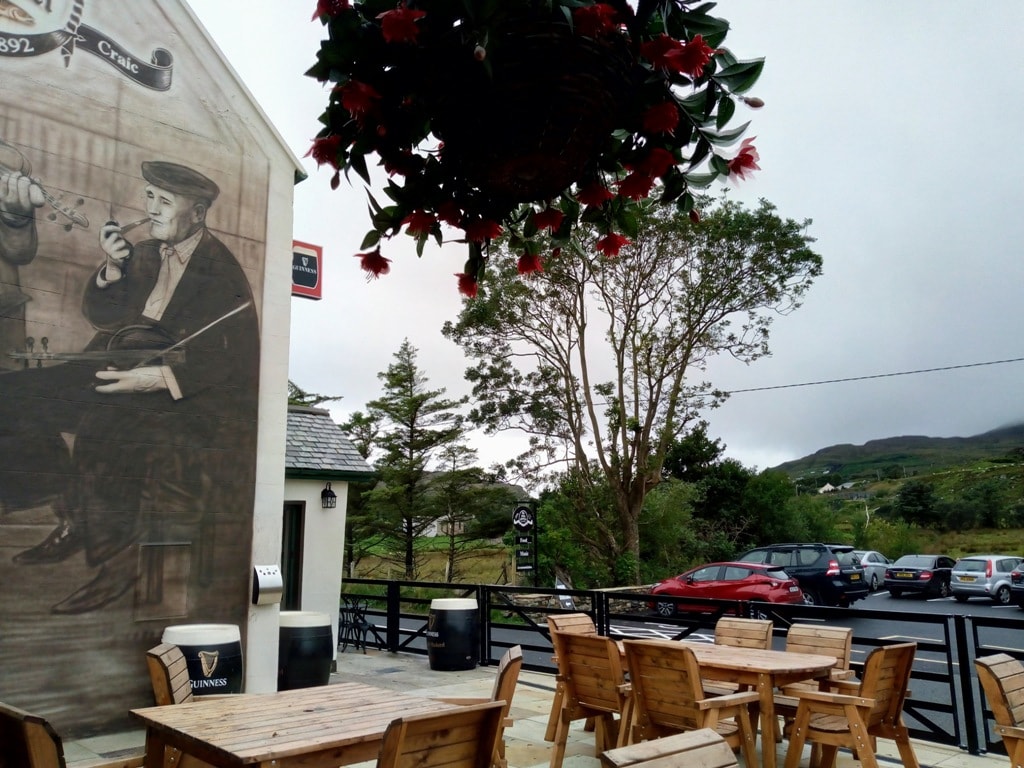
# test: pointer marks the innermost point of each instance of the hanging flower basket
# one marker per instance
(524, 117)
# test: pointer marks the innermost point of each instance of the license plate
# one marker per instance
(904, 575)
(794, 589)
(854, 577)
(967, 578)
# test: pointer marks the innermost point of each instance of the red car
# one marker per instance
(753, 582)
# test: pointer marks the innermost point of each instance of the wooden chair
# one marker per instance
(668, 698)
(455, 738)
(819, 639)
(504, 689)
(576, 624)
(1002, 679)
(590, 668)
(855, 720)
(739, 633)
(29, 741)
(702, 748)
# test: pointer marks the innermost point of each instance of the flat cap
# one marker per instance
(180, 180)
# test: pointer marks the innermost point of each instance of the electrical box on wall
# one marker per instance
(267, 584)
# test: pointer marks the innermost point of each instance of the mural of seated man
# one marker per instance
(166, 389)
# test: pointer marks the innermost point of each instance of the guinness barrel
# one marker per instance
(453, 634)
(213, 653)
(305, 650)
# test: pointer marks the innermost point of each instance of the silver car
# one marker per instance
(874, 564)
(983, 576)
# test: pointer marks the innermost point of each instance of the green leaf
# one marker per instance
(420, 242)
(725, 138)
(741, 76)
(726, 109)
(357, 161)
(371, 239)
(720, 164)
(701, 180)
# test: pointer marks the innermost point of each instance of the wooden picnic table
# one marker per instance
(763, 671)
(321, 727)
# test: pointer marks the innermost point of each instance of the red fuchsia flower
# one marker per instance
(373, 264)
(661, 118)
(467, 285)
(529, 262)
(692, 58)
(593, 193)
(329, 8)
(325, 150)
(358, 98)
(420, 223)
(594, 20)
(399, 25)
(549, 218)
(746, 159)
(695, 216)
(655, 164)
(479, 230)
(611, 244)
(636, 186)
(449, 213)
(658, 51)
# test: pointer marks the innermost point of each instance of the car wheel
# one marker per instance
(874, 582)
(895, 594)
(960, 598)
(810, 598)
(1002, 595)
(944, 590)
(665, 609)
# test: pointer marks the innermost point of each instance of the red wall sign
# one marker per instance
(307, 270)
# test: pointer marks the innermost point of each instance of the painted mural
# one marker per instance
(133, 205)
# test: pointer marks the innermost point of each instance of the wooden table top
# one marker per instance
(755, 659)
(346, 720)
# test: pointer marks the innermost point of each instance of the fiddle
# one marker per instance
(131, 347)
(13, 161)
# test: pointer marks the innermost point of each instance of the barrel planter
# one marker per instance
(305, 650)
(213, 653)
(453, 632)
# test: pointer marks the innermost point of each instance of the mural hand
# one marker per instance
(148, 378)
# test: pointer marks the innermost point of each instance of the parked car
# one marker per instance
(752, 582)
(828, 574)
(1017, 585)
(926, 575)
(874, 564)
(983, 576)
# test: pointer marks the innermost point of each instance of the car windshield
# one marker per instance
(915, 561)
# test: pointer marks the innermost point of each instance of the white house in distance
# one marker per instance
(145, 305)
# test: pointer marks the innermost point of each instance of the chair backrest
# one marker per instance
(884, 678)
(744, 633)
(590, 668)
(168, 673)
(665, 678)
(1002, 679)
(508, 675)
(820, 639)
(28, 741)
(573, 623)
(453, 738)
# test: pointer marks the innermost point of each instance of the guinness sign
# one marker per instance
(307, 270)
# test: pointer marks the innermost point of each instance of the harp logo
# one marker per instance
(208, 660)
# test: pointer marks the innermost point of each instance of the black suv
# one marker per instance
(829, 574)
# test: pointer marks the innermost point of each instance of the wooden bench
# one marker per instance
(29, 741)
(1002, 678)
(702, 748)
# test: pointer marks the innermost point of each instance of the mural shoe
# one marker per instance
(61, 543)
(110, 583)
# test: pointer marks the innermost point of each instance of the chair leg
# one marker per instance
(797, 737)
(556, 712)
(561, 736)
(748, 735)
(906, 749)
(827, 755)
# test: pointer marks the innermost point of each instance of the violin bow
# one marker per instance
(193, 335)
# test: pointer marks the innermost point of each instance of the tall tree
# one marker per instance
(597, 358)
(415, 424)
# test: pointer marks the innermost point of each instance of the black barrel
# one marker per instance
(305, 650)
(453, 633)
(213, 653)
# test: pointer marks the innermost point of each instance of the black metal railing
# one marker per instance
(946, 704)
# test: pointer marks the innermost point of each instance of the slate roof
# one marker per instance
(316, 447)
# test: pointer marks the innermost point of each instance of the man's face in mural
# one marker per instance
(172, 217)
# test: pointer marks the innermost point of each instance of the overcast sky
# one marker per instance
(895, 127)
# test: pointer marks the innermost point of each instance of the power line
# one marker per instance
(877, 376)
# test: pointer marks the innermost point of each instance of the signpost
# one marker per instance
(524, 523)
